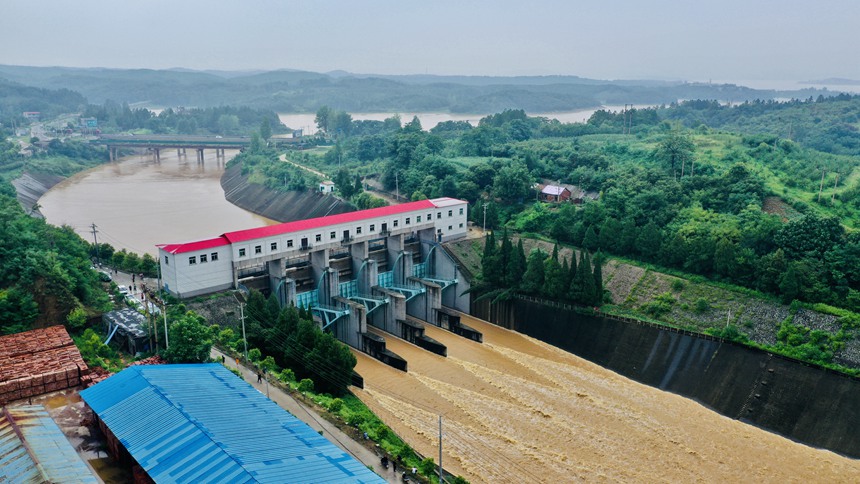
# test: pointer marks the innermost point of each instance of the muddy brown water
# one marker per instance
(137, 203)
(519, 410)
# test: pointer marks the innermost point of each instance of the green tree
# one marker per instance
(265, 129)
(553, 286)
(598, 278)
(789, 284)
(512, 182)
(493, 274)
(590, 240)
(533, 279)
(675, 149)
(649, 240)
(582, 288)
(323, 118)
(725, 263)
(190, 340)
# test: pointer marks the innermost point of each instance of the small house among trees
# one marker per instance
(554, 193)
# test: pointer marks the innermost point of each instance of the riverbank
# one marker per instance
(29, 188)
(282, 206)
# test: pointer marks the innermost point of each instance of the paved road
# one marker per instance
(310, 417)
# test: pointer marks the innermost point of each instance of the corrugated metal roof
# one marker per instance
(34, 449)
(553, 190)
(201, 423)
(195, 245)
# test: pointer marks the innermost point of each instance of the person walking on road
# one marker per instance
(259, 377)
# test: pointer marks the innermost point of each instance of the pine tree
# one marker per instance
(589, 289)
(565, 272)
(517, 266)
(503, 258)
(533, 279)
(598, 278)
(553, 286)
(590, 240)
(488, 261)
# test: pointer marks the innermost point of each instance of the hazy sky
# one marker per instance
(606, 39)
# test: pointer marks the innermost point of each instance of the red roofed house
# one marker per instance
(554, 193)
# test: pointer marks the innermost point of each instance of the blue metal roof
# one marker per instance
(201, 423)
(34, 449)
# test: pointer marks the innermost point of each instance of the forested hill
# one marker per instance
(297, 91)
(828, 124)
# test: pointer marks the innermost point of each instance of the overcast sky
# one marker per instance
(605, 39)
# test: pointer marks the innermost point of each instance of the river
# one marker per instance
(305, 121)
(137, 203)
(515, 409)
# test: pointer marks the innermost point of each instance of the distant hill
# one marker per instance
(302, 91)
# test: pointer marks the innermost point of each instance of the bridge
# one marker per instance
(156, 143)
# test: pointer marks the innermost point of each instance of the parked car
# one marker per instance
(124, 291)
(104, 276)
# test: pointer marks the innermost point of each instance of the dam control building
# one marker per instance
(383, 266)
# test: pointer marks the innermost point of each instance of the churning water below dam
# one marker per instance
(516, 409)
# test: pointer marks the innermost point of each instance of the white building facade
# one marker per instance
(210, 265)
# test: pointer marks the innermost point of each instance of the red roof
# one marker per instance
(300, 225)
(196, 245)
(314, 223)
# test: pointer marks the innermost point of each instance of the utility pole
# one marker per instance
(821, 186)
(440, 449)
(833, 195)
(485, 219)
(164, 311)
(242, 317)
(397, 187)
(96, 243)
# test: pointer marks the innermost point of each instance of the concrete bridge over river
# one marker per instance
(156, 143)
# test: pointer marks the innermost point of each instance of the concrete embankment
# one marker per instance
(30, 187)
(278, 205)
(808, 404)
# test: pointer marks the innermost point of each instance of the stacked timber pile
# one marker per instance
(37, 362)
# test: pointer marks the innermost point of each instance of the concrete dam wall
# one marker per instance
(808, 404)
(278, 205)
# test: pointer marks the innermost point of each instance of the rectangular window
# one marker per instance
(258, 249)
(358, 231)
(461, 210)
(372, 227)
(450, 213)
(273, 246)
(202, 258)
(438, 215)
(166, 261)
(429, 217)
(290, 243)
(213, 256)
(407, 220)
(450, 228)
(332, 235)
(192, 260)
(418, 219)
(461, 226)
(395, 223)
(241, 252)
(318, 237)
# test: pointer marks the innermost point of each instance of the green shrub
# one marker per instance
(286, 375)
(335, 405)
(254, 354)
(306, 385)
(678, 285)
(268, 365)
(702, 305)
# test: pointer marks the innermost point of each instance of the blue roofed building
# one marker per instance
(201, 423)
(33, 449)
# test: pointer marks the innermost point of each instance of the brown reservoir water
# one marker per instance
(137, 203)
(516, 409)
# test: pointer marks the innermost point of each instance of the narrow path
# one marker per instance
(303, 167)
(315, 421)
